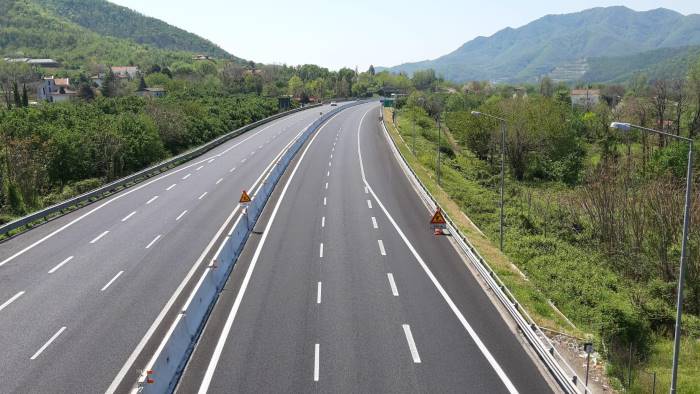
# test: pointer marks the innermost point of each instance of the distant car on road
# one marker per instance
(334, 104)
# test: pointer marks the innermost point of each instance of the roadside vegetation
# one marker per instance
(593, 217)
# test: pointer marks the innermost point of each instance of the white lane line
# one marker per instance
(11, 300)
(318, 294)
(260, 146)
(381, 247)
(53, 338)
(411, 343)
(209, 162)
(152, 199)
(181, 215)
(392, 284)
(374, 222)
(369, 204)
(328, 173)
(326, 185)
(316, 362)
(128, 216)
(333, 149)
(186, 176)
(323, 222)
(202, 196)
(252, 153)
(232, 169)
(199, 168)
(366, 190)
(112, 280)
(484, 350)
(99, 236)
(324, 201)
(216, 355)
(330, 164)
(243, 161)
(171, 186)
(152, 242)
(219, 181)
(331, 156)
(59, 265)
(320, 250)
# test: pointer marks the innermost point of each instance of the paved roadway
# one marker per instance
(346, 289)
(79, 294)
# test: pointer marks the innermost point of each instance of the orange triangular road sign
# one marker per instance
(438, 218)
(245, 198)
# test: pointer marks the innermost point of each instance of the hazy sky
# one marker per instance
(337, 33)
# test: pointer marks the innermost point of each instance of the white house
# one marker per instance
(129, 72)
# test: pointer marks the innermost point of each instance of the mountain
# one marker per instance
(108, 19)
(657, 63)
(536, 49)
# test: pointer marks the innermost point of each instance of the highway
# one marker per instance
(86, 297)
(344, 288)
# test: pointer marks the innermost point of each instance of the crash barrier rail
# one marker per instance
(562, 372)
(165, 367)
(110, 188)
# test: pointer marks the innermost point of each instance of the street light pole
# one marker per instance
(503, 172)
(684, 242)
(438, 151)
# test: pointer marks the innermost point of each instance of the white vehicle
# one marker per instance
(334, 104)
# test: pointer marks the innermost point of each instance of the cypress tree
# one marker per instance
(25, 96)
(18, 100)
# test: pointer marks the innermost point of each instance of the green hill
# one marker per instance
(112, 20)
(533, 50)
(658, 63)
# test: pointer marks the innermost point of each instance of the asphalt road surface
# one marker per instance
(84, 298)
(345, 289)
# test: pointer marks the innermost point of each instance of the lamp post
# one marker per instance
(438, 150)
(684, 242)
(503, 155)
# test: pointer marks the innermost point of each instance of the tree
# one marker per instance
(694, 90)
(371, 70)
(109, 84)
(25, 96)
(16, 94)
(142, 85)
(424, 79)
(12, 74)
(85, 92)
(546, 87)
(680, 98)
(155, 69)
(660, 98)
(295, 86)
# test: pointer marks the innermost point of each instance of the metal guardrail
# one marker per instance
(165, 367)
(564, 374)
(109, 189)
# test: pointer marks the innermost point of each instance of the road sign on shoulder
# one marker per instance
(245, 198)
(438, 220)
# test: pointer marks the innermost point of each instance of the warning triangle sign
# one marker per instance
(245, 198)
(438, 219)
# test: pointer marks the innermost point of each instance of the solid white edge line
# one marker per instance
(152, 199)
(374, 222)
(489, 357)
(216, 355)
(202, 196)
(154, 241)
(381, 247)
(318, 293)
(11, 300)
(411, 343)
(112, 281)
(181, 215)
(59, 265)
(99, 236)
(128, 216)
(316, 362)
(128, 364)
(392, 284)
(48, 343)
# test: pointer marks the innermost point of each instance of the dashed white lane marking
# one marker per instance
(186, 176)
(328, 173)
(211, 160)
(99, 236)
(366, 190)
(252, 153)
(171, 186)
(324, 201)
(260, 146)
(331, 156)
(392, 284)
(48, 343)
(318, 294)
(381, 247)
(374, 222)
(112, 280)
(330, 164)
(316, 362)
(152, 199)
(369, 204)
(323, 222)
(128, 216)
(202, 196)
(243, 161)
(181, 215)
(320, 250)
(411, 343)
(11, 300)
(199, 168)
(154, 241)
(59, 265)
(333, 149)
(232, 170)
(326, 185)
(219, 181)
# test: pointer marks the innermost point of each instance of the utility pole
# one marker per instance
(437, 169)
